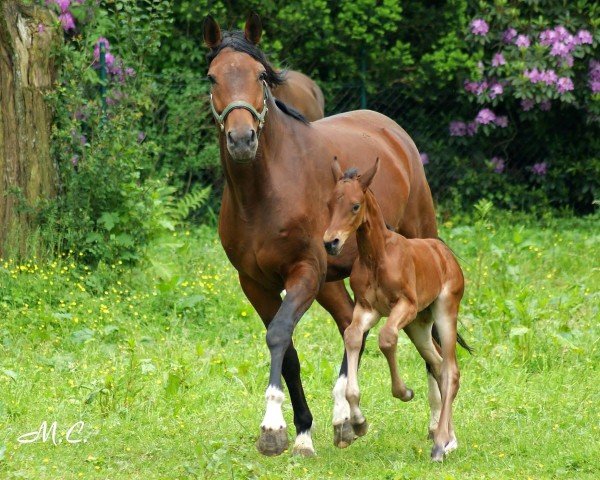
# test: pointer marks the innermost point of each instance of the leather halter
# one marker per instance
(241, 104)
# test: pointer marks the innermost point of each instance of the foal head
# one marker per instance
(346, 205)
(239, 73)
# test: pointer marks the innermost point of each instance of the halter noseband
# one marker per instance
(241, 104)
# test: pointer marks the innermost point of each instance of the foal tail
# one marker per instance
(459, 339)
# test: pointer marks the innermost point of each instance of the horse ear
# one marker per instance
(366, 178)
(212, 32)
(337, 170)
(253, 28)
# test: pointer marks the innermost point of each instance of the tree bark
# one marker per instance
(28, 36)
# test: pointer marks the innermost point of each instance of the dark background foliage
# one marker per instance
(155, 142)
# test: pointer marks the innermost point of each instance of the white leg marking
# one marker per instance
(273, 416)
(452, 445)
(341, 407)
(304, 444)
(435, 402)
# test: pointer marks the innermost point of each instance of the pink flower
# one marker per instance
(67, 21)
(498, 59)
(561, 32)
(472, 128)
(527, 104)
(545, 105)
(424, 158)
(471, 87)
(479, 27)
(97, 47)
(498, 164)
(41, 28)
(583, 37)
(560, 49)
(63, 5)
(458, 129)
(549, 77)
(564, 84)
(540, 169)
(594, 76)
(501, 121)
(548, 37)
(567, 60)
(533, 75)
(522, 41)
(109, 59)
(508, 35)
(496, 90)
(485, 116)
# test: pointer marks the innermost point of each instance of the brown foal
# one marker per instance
(397, 277)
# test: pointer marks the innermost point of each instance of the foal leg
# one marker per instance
(445, 313)
(273, 439)
(402, 314)
(354, 335)
(433, 390)
(336, 300)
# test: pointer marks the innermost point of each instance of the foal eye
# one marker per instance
(355, 207)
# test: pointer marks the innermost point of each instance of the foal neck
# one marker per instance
(372, 233)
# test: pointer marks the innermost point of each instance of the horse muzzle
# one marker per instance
(333, 247)
(242, 144)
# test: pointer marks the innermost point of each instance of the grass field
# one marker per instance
(166, 365)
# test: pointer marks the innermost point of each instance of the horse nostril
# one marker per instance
(230, 137)
(252, 136)
(335, 242)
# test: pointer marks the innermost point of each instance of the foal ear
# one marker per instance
(366, 178)
(212, 32)
(253, 28)
(337, 170)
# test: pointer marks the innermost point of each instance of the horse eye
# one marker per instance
(211, 79)
(262, 76)
(355, 207)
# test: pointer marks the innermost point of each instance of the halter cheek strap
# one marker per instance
(220, 118)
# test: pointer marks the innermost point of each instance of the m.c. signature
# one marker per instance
(45, 433)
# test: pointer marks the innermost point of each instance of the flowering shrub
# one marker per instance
(537, 73)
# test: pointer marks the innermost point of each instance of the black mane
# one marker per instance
(236, 40)
(350, 174)
(292, 112)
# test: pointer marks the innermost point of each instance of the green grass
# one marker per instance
(166, 365)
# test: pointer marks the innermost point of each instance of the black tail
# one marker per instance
(459, 339)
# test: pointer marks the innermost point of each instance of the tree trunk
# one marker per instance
(28, 34)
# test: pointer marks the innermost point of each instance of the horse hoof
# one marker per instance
(302, 451)
(272, 442)
(437, 453)
(343, 434)
(409, 395)
(360, 429)
(303, 446)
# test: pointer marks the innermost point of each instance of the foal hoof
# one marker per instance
(408, 395)
(360, 429)
(437, 453)
(303, 451)
(343, 434)
(272, 442)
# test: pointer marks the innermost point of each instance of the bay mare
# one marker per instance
(274, 213)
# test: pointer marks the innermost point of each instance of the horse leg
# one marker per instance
(362, 321)
(402, 314)
(445, 313)
(419, 333)
(434, 396)
(334, 298)
(267, 304)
